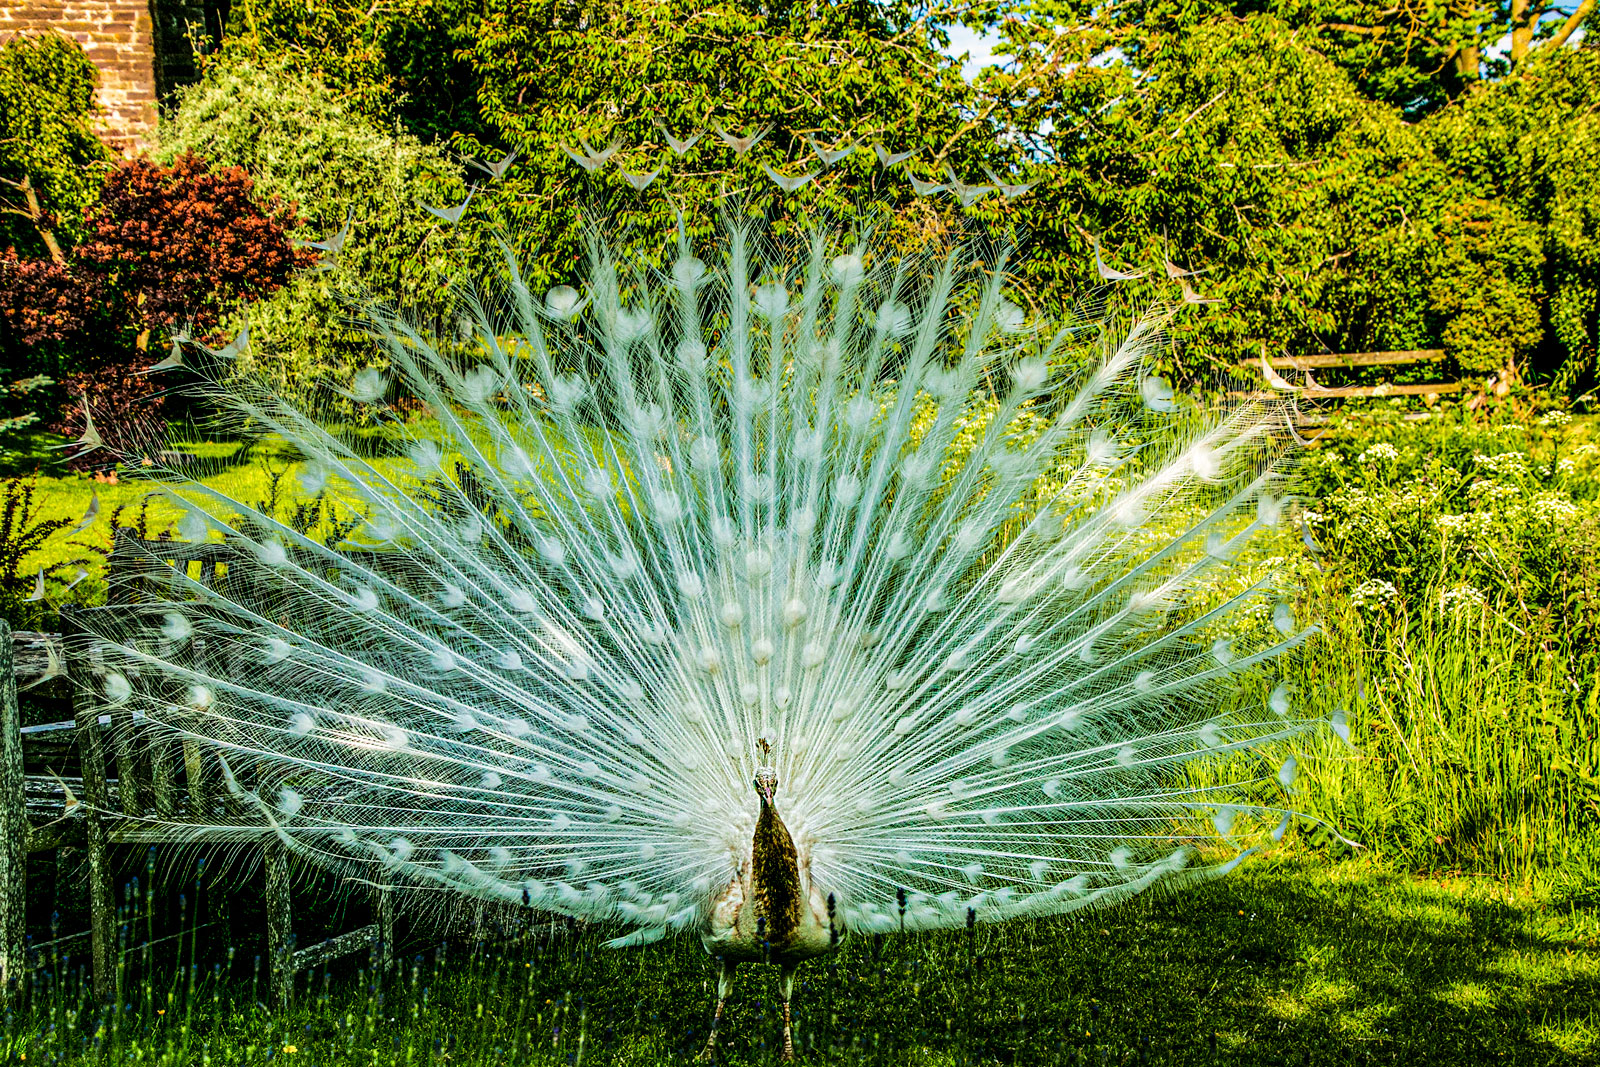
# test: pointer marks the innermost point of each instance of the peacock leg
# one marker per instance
(724, 988)
(786, 990)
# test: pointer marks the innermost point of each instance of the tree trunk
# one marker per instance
(1524, 17)
(35, 215)
(97, 799)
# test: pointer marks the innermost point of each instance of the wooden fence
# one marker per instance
(132, 787)
(1352, 360)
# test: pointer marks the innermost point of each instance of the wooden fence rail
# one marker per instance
(132, 787)
(1314, 390)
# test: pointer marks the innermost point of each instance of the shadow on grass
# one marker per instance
(1287, 964)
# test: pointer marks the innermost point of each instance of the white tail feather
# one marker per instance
(940, 555)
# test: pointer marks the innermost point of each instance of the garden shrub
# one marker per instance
(174, 247)
(299, 142)
(166, 249)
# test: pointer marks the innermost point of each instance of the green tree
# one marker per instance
(1323, 220)
(390, 63)
(1416, 55)
(51, 162)
(558, 74)
(1238, 151)
(1528, 148)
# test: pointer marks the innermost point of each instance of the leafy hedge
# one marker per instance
(301, 143)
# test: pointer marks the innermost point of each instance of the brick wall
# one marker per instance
(139, 46)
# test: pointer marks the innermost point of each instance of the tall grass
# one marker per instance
(1475, 745)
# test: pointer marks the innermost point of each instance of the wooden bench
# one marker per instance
(132, 787)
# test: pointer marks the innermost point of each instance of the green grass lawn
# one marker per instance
(1287, 962)
(69, 496)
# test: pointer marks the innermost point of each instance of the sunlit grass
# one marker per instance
(250, 481)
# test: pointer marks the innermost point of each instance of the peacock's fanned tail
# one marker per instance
(941, 553)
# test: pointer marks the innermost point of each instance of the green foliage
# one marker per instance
(556, 74)
(389, 63)
(1486, 287)
(300, 143)
(51, 162)
(1250, 144)
(19, 390)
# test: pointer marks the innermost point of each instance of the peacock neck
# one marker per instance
(775, 876)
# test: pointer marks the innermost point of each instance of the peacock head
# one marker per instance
(766, 779)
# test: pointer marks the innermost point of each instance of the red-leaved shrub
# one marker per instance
(181, 244)
(165, 248)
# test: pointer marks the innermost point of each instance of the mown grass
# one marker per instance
(1289, 961)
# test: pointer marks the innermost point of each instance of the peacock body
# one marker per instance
(845, 505)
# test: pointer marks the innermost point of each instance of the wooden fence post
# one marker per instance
(97, 798)
(13, 828)
(385, 895)
(280, 929)
(194, 757)
(127, 761)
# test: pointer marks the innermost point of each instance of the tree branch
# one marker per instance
(34, 213)
(1571, 25)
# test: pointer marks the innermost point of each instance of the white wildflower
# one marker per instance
(1473, 525)
(1504, 464)
(1553, 508)
(1487, 495)
(1374, 593)
(1461, 599)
